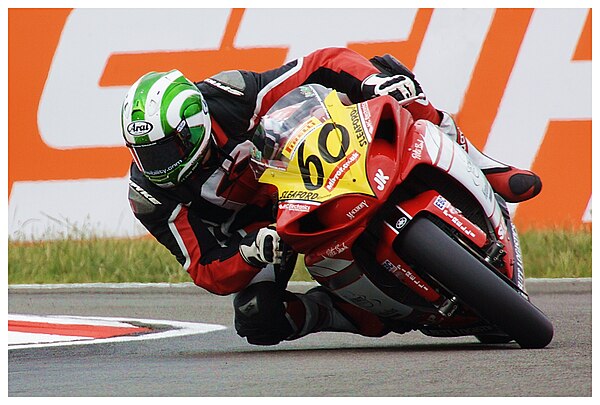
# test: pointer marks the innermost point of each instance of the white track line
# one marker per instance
(178, 329)
(187, 285)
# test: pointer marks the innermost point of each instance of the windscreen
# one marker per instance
(287, 123)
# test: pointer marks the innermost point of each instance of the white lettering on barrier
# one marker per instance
(322, 28)
(545, 85)
(72, 98)
(544, 76)
(449, 52)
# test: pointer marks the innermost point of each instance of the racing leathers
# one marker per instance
(203, 220)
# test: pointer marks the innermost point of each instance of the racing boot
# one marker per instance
(266, 315)
(513, 184)
(320, 310)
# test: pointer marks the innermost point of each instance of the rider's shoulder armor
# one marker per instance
(230, 81)
(141, 201)
(146, 199)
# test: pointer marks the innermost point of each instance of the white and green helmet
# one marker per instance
(166, 126)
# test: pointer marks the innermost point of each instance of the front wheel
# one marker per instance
(429, 249)
(493, 339)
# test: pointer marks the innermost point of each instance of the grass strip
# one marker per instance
(551, 254)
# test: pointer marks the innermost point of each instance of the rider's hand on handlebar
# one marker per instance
(399, 86)
(262, 247)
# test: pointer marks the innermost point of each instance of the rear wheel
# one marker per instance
(429, 249)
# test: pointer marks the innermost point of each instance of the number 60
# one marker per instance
(304, 164)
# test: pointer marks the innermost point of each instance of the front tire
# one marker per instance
(429, 249)
(493, 339)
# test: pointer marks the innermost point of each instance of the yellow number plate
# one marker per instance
(326, 159)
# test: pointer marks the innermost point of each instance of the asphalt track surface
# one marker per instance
(221, 364)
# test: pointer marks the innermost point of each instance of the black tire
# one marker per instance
(430, 249)
(493, 339)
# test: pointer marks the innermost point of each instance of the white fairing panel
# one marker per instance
(360, 291)
(451, 158)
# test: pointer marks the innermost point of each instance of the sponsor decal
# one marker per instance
(476, 174)
(144, 193)
(454, 215)
(440, 202)
(164, 171)
(250, 308)
(417, 149)
(365, 115)
(460, 225)
(404, 274)
(139, 128)
(401, 223)
(358, 128)
(518, 258)
(364, 302)
(299, 195)
(341, 169)
(381, 179)
(462, 141)
(299, 135)
(501, 231)
(223, 87)
(336, 250)
(181, 125)
(294, 207)
(352, 213)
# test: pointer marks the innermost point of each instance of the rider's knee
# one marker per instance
(260, 314)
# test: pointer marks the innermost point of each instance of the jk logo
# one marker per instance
(381, 179)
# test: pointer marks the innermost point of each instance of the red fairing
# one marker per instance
(384, 154)
(336, 245)
(342, 219)
(220, 277)
(415, 148)
(437, 205)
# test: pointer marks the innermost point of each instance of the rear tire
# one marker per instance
(429, 249)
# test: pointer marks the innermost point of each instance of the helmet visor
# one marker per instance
(158, 159)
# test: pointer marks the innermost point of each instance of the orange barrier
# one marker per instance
(563, 158)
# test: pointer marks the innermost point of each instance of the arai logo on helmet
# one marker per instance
(137, 128)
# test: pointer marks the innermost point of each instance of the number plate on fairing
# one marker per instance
(327, 159)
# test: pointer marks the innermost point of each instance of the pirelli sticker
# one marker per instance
(298, 136)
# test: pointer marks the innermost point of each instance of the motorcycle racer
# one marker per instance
(192, 187)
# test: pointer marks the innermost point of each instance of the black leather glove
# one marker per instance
(262, 247)
(398, 86)
(392, 66)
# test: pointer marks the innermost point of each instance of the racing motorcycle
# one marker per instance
(392, 216)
